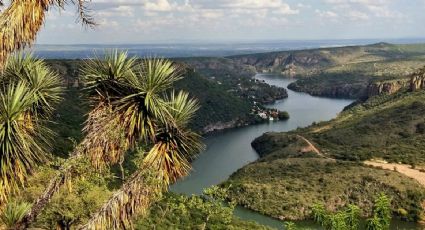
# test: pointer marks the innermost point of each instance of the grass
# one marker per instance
(388, 127)
(286, 188)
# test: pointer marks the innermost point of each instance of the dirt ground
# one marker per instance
(401, 168)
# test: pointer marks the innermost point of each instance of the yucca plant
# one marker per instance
(25, 104)
(141, 107)
(133, 104)
(13, 213)
(167, 161)
(21, 20)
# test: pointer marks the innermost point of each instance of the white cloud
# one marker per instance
(326, 14)
(158, 5)
(364, 9)
(357, 15)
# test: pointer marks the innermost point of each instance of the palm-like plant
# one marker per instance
(22, 19)
(167, 161)
(142, 109)
(27, 97)
(132, 104)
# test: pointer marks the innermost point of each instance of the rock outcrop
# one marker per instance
(417, 81)
(386, 87)
(287, 63)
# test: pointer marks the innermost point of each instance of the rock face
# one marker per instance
(287, 63)
(219, 126)
(386, 87)
(344, 90)
(417, 81)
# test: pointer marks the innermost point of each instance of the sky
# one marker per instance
(167, 21)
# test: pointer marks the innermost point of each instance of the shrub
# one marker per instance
(13, 213)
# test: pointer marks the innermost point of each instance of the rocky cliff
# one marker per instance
(417, 80)
(287, 63)
(387, 87)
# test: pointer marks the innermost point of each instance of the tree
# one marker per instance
(28, 95)
(134, 101)
(22, 20)
(132, 104)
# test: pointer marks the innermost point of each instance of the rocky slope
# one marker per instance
(387, 87)
(418, 81)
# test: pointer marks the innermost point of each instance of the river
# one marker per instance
(230, 150)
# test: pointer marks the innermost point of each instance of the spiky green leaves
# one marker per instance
(130, 104)
(28, 93)
(13, 213)
(175, 144)
(44, 83)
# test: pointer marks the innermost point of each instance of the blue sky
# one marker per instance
(156, 21)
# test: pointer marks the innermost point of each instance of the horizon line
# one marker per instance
(239, 41)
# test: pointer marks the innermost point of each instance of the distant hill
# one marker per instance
(343, 72)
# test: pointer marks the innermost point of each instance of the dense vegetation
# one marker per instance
(217, 105)
(349, 217)
(210, 211)
(237, 78)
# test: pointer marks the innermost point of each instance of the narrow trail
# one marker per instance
(310, 147)
(401, 168)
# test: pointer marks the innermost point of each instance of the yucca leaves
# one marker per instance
(28, 93)
(23, 141)
(22, 20)
(128, 96)
(175, 144)
(44, 83)
(13, 213)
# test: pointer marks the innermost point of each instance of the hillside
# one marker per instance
(323, 162)
(236, 78)
(224, 104)
(343, 72)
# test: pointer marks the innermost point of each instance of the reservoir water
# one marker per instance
(230, 150)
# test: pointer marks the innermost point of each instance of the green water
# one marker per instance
(230, 150)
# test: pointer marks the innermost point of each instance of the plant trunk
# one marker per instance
(54, 185)
(135, 196)
(122, 168)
